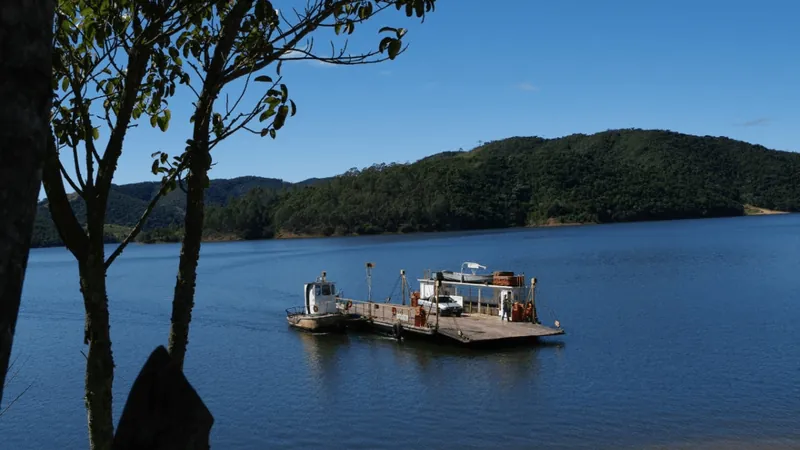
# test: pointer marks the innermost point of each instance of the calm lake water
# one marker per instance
(678, 333)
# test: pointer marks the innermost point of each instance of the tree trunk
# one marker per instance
(25, 75)
(199, 156)
(183, 301)
(99, 360)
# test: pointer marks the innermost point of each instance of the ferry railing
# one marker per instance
(388, 313)
(295, 311)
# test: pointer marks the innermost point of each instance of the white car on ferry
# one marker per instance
(448, 306)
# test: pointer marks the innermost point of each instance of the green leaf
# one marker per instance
(280, 118)
(173, 52)
(263, 79)
(153, 121)
(266, 115)
(284, 93)
(163, 123)
(385, 44)
(154, 168)
(387, 29)
(419, 5)
(272, 133)
(260, 11)
(294, 107)
(365, 11)
(64, 84)
(96, 133)
(394, 48)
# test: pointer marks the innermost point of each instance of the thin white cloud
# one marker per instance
(760, 122)
(525, 86)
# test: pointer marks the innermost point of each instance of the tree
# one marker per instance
(242, 40)
(111, 65)
(89, 36)
(25, 72)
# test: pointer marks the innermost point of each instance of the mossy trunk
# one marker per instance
(99, 360)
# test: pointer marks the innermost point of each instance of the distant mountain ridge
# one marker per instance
(127, 202)
(612, 176)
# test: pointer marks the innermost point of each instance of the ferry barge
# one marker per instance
(463, 308)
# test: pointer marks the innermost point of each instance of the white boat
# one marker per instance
(319, 313)
(464, 277)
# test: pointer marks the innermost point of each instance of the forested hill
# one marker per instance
(613, 176)
(128, 201)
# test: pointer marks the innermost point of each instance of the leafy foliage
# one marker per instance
(116, 61)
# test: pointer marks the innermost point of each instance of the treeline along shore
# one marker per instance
(613, 176)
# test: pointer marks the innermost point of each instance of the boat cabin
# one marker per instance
(484, 294)
(320, 296)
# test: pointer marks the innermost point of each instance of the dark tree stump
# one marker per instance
(163, 411)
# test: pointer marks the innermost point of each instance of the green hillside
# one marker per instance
(127, 203)
(613, 176)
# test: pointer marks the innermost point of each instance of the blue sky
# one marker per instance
(524, 68)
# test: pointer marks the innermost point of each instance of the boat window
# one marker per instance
(326, 289)
(316, 290)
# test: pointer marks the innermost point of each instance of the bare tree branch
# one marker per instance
(143, 219)
(72, 184)
(77, 171)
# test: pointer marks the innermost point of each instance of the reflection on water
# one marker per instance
(323, 356)
(500, 366)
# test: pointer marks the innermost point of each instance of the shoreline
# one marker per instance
(749, 211)
(550, 223)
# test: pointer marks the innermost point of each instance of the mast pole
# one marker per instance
(436, 293)
(403, 286)
(533, 300)
(369, 281)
